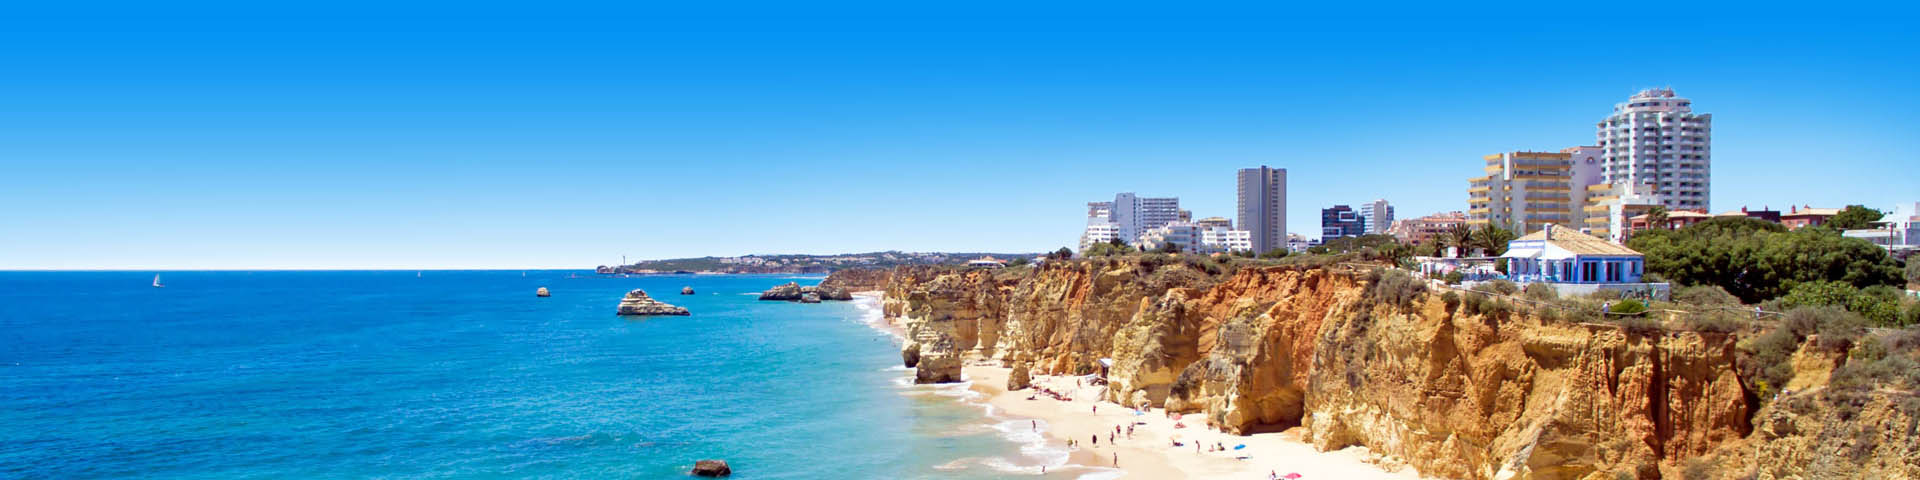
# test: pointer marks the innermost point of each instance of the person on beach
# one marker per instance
(1036, 425)
(1096, 440)
(1116, 459)
(1109, 439)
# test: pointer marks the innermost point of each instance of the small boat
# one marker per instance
(416, 274)
(156, 282)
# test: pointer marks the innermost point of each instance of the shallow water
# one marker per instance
(465, 374)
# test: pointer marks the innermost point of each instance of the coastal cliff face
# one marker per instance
(1500, 394)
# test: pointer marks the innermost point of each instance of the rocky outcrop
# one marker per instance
(711, 468)
(789, 292)
(638, 303)
(687, 290)
(910, 355)
(1021, 377)
(793, 292)
(858, 279)
(542, 292)
(1481, 395)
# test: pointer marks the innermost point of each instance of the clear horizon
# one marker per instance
(463, 136)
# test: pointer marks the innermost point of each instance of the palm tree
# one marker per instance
(1459, 236)
(1493, 238)
(1657, 217)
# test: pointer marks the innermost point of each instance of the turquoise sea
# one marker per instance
(466, 374)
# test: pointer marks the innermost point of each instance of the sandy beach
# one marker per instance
(1150, 453)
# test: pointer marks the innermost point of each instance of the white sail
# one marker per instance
(156, 281)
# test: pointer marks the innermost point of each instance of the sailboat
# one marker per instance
(156, 282)
(416, 274)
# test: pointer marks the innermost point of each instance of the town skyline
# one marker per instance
(272, 148)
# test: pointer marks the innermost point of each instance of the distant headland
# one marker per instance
(806, 263)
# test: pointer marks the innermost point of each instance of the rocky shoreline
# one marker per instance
(1452, 392)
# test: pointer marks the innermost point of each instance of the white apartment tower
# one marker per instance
(1127, 218)
(1655, 139)
(1376, 217)
(1263, 206)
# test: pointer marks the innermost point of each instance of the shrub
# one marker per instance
(1628, 307)
(1540, 292)
(1454, 277)
(1913, 269)
(1879, 304)
(1503, 287)
(1707, 295)
(1394, 287)
(1452, 300)
(1765, 368)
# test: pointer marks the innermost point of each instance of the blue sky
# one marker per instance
(494, 135)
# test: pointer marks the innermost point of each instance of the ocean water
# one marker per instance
(466, 374)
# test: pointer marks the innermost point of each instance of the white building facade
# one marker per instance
(1655, 138)
(1193, 237)
(1376, 217)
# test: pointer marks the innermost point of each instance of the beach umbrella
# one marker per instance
(1240, 446)
(1291, 476)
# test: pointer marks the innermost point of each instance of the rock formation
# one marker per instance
(1021, 377)
(793, 292)
(542, 292)
(711, 468)
(1480, 395)
(858, 279)
(638, 303)
(789, 292)
(687, 290)
(810, 297)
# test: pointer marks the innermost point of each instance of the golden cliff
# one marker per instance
(1356, 360)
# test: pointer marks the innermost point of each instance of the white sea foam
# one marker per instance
(1102, 473)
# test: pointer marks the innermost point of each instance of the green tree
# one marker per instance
(1854, 217)
(1063, 253)
(1492, 238)
(1913, 270)
(1657, 217)
(1169, 247)
(1113, 247)
(1757, 260)
(1458, 236)
(1275, 253)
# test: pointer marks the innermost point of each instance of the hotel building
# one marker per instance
(1263, 206)
(1654, 138)
(1523, 191)
(1339, 221)
(1376, 217)
(1127, 217)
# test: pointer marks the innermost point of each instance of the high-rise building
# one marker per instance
(1263, 206)
(1376, 217)
(1339, 221)
(1655, 138)
(1127, 217)
(1523, 191)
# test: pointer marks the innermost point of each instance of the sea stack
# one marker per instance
(638, 303)
(793, 292)
(542, 292)
(711, 468)
(687, 290)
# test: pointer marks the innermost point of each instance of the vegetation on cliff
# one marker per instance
(1494, 382)
(1757, 260)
